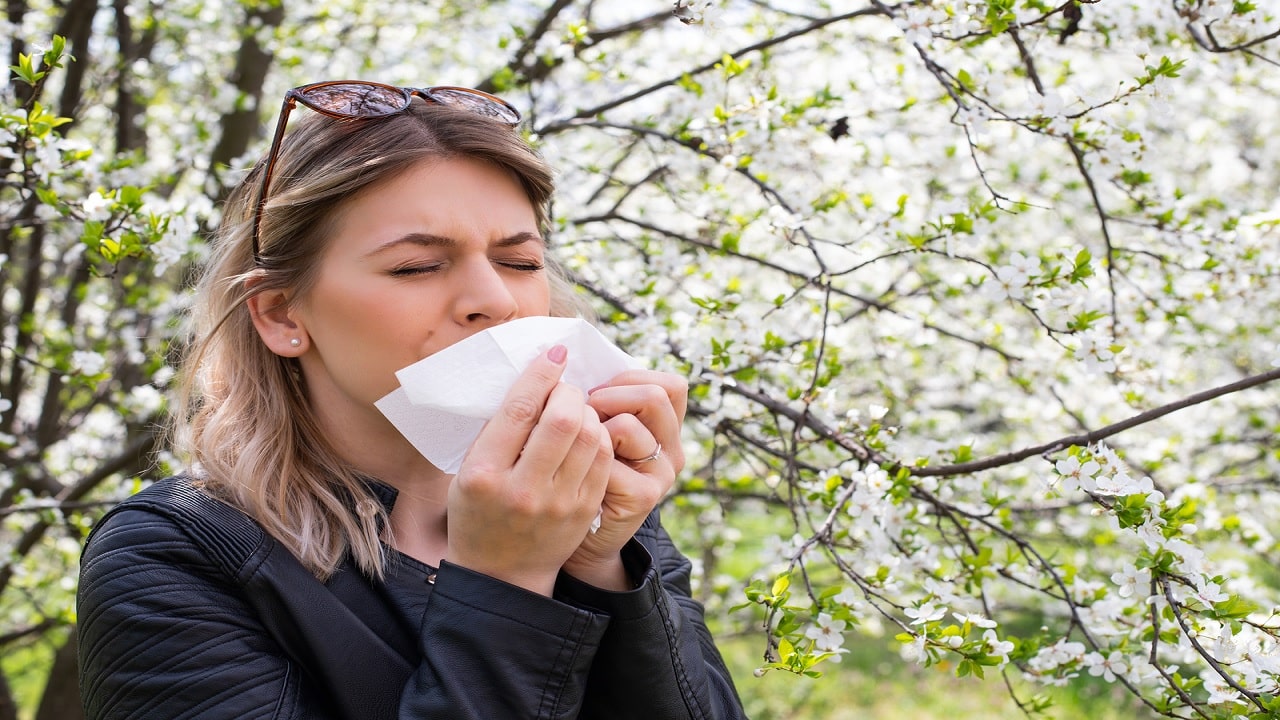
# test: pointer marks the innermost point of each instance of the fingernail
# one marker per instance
(557, 354)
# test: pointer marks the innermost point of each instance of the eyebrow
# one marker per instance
(432, 240)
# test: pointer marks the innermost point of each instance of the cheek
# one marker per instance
(535, 299)
(352, 317)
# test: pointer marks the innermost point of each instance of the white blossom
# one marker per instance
(1096, 354)
(1108, 667)
(88, 362)
(926, 612)
(846, 597)
(915, 21)
(827, 633)
(1077, 475)
(993, 645)
(977, 620)
(1211, 593)
(1131, 580)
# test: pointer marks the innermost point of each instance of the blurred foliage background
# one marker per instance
(976, 299)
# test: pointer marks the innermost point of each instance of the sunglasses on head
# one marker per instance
(353, 99)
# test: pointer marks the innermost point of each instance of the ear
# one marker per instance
(276, 324)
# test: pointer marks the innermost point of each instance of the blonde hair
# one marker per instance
(243, 415)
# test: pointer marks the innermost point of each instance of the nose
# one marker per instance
(483, 298)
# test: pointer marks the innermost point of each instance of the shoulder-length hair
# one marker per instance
(243, 417)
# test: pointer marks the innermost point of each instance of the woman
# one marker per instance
(352, 578)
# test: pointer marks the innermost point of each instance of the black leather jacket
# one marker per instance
(188, 609)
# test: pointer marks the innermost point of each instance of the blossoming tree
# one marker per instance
(977, 299)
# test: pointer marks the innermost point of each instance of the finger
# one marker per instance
(632, 441)
(558, 433)
(675, 386)
(581, 479)
(566, 463)
(651, 405)
(639, 481)
(503, 437)
(596, 483)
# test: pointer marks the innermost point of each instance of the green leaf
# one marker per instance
(688, 83)
(92, 235)
(1085, 320)
(1134, 177)
(1000, 15)
(781, 584)
(109, 249)
(25, 70)
(785, 649)
(504, 79)
(729, 67)
(1233, 608)
(1081, 267)
(47, 195)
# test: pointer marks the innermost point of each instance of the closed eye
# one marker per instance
(521, 265)
(411, 270)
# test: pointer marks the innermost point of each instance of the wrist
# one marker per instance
(605, 574)
(535, 582)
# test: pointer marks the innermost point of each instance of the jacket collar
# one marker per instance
(385, 493)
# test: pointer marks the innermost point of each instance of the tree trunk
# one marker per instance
(76, 26)
(61, 698)
(240, 126)
(15, 10)
(8, 706)
(130, 132)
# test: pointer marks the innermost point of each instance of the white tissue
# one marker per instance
(445, 399)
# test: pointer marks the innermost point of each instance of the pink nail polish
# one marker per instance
(557, 354)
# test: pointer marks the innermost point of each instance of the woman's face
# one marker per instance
(417, 263)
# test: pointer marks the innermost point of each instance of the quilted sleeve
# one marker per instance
(657, 659)
(164, 634)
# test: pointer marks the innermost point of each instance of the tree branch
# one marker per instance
(132, 459)
(1095, 436)
(241, 124)
(516, 63)
(566, 123)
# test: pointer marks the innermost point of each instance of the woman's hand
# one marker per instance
(643, 411)
(532, 483)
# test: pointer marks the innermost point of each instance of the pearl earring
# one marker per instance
(295, 342)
